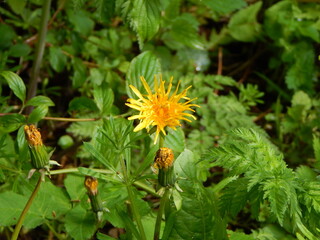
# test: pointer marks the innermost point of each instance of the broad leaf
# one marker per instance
(80, 223)
(12, 122)
(103, 97)
(16, 84)
(225, 6)
(37, 114)
(40, 100)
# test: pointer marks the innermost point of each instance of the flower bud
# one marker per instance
(164, 162)
(91, 185)
(39, 155)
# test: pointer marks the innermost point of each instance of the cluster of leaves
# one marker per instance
(95, 49)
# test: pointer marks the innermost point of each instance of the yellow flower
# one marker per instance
(161, 108)
(164, 158)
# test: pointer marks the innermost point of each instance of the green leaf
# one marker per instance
(82, 23)
(82, 103)
(103, 97)
(184, 29)
(10, 212)
(97, 155)
(12, 122)
(40, 100)
(278, 196)
(7, 35)
(20, 50)
(37, 114)
(74, 185)
(146, 65)
(225, 6)
(175, 139)
(145, 18)
(17, 5)
(185, 165)
(57, 59)
(243, 25)
(50, 199)
(80, 223)
(16, 84)
(106, 9)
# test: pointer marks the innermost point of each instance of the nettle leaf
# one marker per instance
(197, 206)
(15, 83)
(12, 122)
(146, 65)
(80, 223)
(57, 59)
(145, 18)
(234, 197)
(103, 97)
(243, 25)
(225, 6)
(38, 113)
(40, 100)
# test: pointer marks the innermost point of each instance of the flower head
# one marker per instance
(33, 135)
(160, 108)
(164, 158)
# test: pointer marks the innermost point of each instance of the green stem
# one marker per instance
(163, 202)
(138, 184)
(39, 51)
(135, 212)
(25, 210)
(161, 140)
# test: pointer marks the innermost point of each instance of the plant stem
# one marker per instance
(135, 212)
(163, 202)
(25, 210)
(39, 51)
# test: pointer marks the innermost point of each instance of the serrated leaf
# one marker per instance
(16, 84)
(243, 25)
(145, 18)
(234, 197)
(12, 122)
(278, 197)
(80, 223)
(225, 6)
(146, 65)
(37, 114)
(40, 100)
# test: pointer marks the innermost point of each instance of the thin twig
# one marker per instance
(39, 52)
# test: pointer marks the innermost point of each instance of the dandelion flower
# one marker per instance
(160, 108)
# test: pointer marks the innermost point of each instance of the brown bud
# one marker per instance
(33, 135)
(91, 185)
(164, 158)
